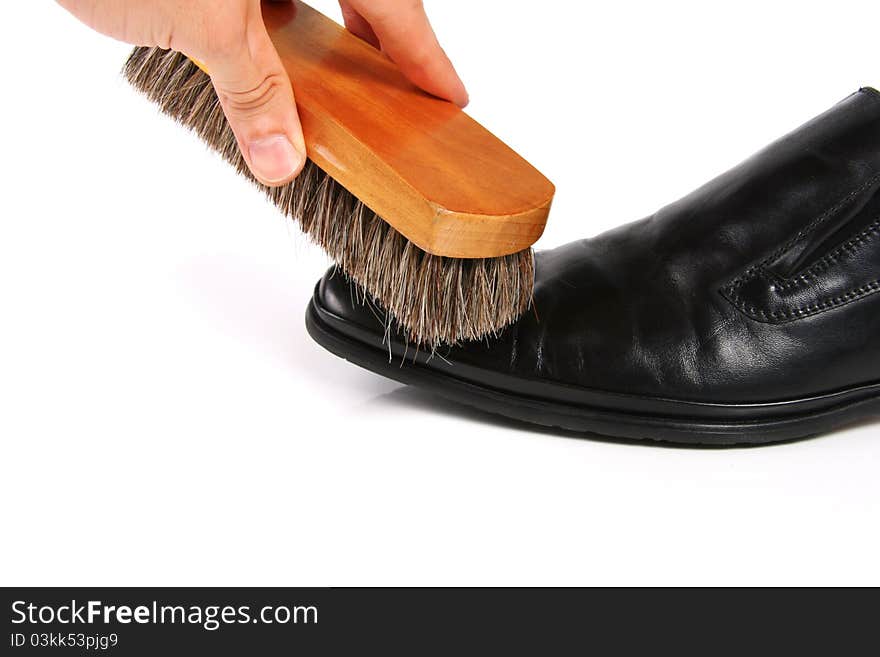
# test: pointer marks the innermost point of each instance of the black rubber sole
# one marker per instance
(848, 408)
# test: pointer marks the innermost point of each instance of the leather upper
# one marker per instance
(759, 286)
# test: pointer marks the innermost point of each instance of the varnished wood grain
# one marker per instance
(436, 175)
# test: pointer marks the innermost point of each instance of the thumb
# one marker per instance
(257, 99)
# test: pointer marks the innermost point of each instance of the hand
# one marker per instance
(229, 37)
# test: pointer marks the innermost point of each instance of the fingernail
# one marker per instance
(274, 159)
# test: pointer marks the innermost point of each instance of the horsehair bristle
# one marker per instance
(435, 299)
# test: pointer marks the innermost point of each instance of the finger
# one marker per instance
(257, 99)
(139, 23)
(358, 25)
(407, 38)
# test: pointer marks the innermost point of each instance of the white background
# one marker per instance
(165, 419)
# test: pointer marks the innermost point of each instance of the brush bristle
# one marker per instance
(435, 300)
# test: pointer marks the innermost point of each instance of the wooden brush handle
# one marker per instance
(433, 173)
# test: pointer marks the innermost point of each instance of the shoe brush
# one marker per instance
(427, 211)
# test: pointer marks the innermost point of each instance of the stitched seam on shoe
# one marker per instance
(818, 267)
(807, 310)
(812, 226)
(732, 289)
(838, 254)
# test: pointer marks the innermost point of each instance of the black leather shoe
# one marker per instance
(745, 312)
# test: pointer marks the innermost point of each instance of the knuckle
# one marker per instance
(252, 99)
